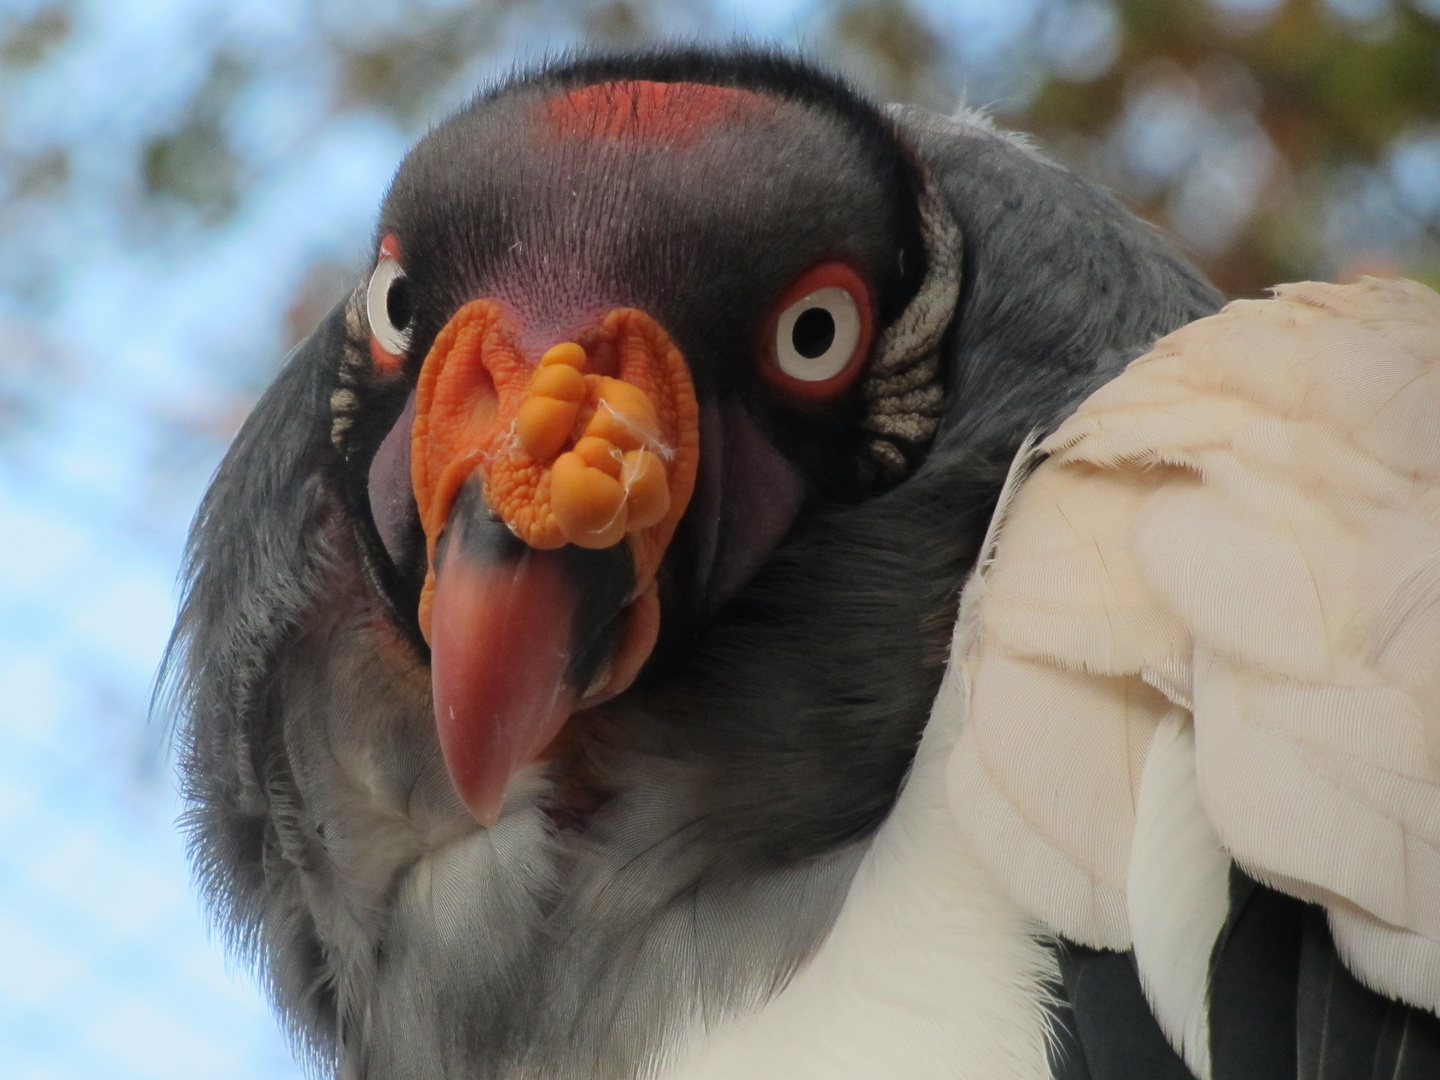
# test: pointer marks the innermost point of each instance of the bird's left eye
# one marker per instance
(820, 332)
(390, 305)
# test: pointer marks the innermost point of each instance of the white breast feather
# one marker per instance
(1178, 892)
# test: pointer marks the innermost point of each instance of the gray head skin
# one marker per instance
(687, 848)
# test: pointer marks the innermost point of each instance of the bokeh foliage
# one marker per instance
(1347, 97)
(1279, 139)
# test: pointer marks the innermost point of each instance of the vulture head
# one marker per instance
(562, 624)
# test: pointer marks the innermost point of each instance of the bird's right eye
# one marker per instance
(818, 333)
(389, 304)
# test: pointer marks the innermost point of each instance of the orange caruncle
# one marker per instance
(565, 454)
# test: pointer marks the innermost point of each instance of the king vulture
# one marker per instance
(581, 679)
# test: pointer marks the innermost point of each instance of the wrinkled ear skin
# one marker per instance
(261, 543)
(1060, 285)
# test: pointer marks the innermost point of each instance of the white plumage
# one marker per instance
(931, 971)
(1242, 533)
(1178, 891)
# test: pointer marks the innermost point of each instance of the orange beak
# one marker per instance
(542, 484)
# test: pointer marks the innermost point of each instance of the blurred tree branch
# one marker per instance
(1278, 139)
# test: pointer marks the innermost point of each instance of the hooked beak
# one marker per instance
(548, 493)
(517, 638)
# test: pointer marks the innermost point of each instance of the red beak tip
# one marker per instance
(488, 817)
(499, 644)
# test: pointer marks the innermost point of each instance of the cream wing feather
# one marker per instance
(1246, 525)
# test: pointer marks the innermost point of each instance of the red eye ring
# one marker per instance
(856, 320)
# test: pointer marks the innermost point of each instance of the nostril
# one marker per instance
(392, 498)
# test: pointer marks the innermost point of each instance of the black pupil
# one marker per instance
(814, 332)
(399, 304)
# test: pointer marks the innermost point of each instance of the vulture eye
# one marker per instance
(390, 304)
(820, 332)
(817, 335)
